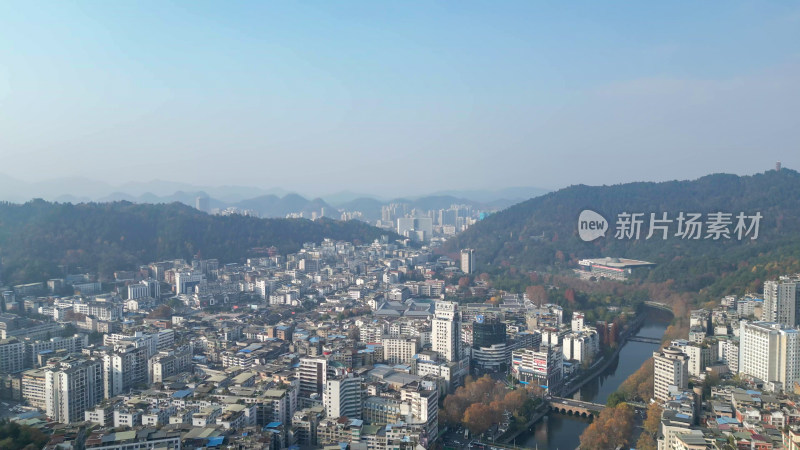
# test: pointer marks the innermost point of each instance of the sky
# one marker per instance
(397, 97)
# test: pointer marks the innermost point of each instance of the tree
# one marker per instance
(454, 406)
(653, 421)
(646, 442)
(611, 429)
(615, 399)
(514, 400)
(536, 294)
(479, 417)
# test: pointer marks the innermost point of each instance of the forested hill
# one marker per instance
(37, 237)
(542, 233)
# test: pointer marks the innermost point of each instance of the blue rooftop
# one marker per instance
(182, 394)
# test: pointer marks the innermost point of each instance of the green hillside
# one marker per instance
(542, 233)
(38, 237)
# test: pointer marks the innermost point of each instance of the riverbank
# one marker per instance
(563, 432)
(602, 364)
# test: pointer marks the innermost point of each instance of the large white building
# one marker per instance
(770, 352)
(72, 387)
(580, 346)
(124, 368)
(671, 372)
(185, 282)
(781, 302)
(342, 397)
(400, 350)
(700, 357)
(446, 331)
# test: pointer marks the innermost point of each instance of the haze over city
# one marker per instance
(396, 99)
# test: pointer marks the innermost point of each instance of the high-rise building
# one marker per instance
(770, 352)
(468, 260)
(781, 302)
(201, 203)
(670, 370)
(423, 398)
(446, 331)
(313, 375)
(124, 368)
(72, 387)
(12, 355)
(342, 397)
(489, 348)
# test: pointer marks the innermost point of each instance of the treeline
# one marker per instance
(41, 240)
(481, 403)
(541, 233)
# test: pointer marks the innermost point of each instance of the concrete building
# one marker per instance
(313, 375)
(342, 397)
(671, 371)
(124, 368)
(400, 350)
(769, 352)
(446, 331)
(12, 355)
(543, 367)
(781, 302)
(72, 387)
(468, 260)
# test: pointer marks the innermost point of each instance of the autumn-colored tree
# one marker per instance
(478, 417)
(653, 420)
(640, 383)
(454, 406)
(537, 294)
(610, 430)
(463, 282)
(646, 442)
(569, 296)
(514, 400)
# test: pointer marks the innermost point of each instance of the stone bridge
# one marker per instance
(575, 407)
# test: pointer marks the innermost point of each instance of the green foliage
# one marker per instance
(41, 240)
(511, 240)
(18, 437)
(615, 398)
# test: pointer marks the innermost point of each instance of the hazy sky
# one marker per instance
(374, 96)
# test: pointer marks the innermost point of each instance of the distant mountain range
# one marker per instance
(269, 203)
(542, 233)
(41, 240)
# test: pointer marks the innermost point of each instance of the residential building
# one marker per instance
(671, 372)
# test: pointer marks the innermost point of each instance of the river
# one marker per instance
(563, 432)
